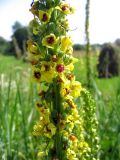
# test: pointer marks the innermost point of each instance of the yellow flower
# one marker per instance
(32, 47)
(44, 16)
(74, 141)
(49, 41)
(70, 89)
(65, 24)
(70, 76)
(34, 54)
(74, 60)
(70, 126)
(35, 26)
(65, 8)
(71, 155)
(69, 67)
(62, 124)
(44, 128)
(37, 130)
(65, 90)
(70, 118)
(62, 79)
(47, 72)
(65, 133)
(69, 50)
(41, 154)
(34, 59)
(84, 147)
(75, 88)
(36, 74)
(71, 103)
(44, 111)
(49, 130)
(75, 112)
(65, 43)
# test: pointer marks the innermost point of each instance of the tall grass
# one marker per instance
(16, 114)
(109, 128)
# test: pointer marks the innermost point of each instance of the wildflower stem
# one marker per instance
(88, 65)
(57, 107)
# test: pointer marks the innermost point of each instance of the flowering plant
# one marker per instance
(50, 53)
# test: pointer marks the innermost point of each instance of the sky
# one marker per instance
(104, 19)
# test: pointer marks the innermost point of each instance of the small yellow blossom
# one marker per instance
(44, 16)
(65, 89)
(84, 147)
(37, 130)
(69, 50)
(32, 47)
(47, 72)
(71, 103)
(34, 59)
(49, 41)
(41, 154)
(65, 43)
(36, 74)
(65, 8)
(44, 111)
(49, 130)
(71, 155)
(35, 26)
(75, 88)
(65, 24)
(69, 67)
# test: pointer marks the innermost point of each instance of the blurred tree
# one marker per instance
(21, 35)
(117, 42)
(108, 65)
(3, 45)
(17, 49)
(78, 47)
(17, 25)
(10, 50)
(17, 46)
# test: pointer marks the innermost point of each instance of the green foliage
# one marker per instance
(88, 114)
(3, 45)
(17, 25)
(78, 47)
(10, 50)
(109, 128)
(21, 35)
(108, 63)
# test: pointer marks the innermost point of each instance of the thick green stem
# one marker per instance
(57, 111)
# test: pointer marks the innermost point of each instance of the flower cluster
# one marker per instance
(50, 53)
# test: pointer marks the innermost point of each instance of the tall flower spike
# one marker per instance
(67, 130)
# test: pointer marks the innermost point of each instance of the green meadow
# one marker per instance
(18, 114)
